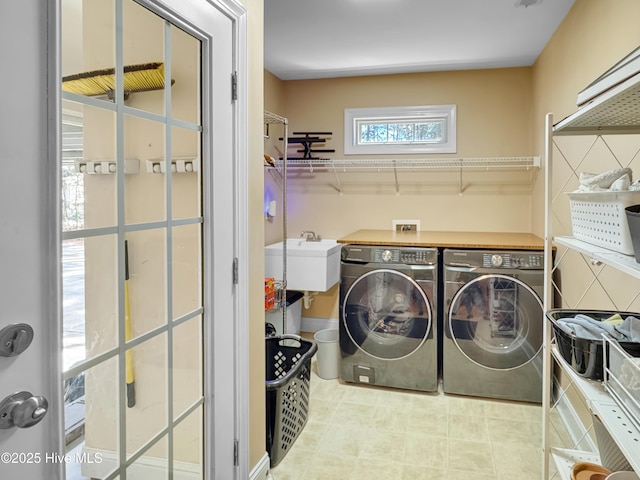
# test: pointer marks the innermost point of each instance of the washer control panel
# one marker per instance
(407, 256)
(389, 255)
(533, 261)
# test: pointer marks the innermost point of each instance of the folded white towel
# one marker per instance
(621, 185)
(603, 180)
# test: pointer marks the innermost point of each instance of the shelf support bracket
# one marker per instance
(335, 174)
(395, 174)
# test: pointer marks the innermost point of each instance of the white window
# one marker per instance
(392, 130)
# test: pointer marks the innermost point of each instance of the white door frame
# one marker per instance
(233, 376)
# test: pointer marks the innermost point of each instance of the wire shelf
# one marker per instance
(272, 118)
(413, 164)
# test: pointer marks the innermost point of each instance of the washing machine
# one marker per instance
(493, 323)
(388, 327)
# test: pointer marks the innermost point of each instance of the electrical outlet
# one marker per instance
(406, 225)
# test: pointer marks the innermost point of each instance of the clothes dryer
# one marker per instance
(493, 323)
(387, 332)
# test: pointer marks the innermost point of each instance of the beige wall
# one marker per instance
(493, 120)
(593, 37)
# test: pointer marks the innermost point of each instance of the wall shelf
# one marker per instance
(394, 166)
(412, 164)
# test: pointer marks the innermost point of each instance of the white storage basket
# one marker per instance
(622, 378)
(599, 218)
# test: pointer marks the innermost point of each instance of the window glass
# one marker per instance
(393, 130)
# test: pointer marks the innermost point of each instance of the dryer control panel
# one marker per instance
(533, 261)
(495, 259)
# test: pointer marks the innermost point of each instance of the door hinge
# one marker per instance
(235, 271)
(236, 453)
(234, 86)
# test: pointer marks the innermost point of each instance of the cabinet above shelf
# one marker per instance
(624, 263)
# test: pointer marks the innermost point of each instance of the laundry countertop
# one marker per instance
(500, 240)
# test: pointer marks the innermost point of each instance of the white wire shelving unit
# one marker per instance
(271, 118)
(615, 112)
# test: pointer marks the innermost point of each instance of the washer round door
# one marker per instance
(496, 322)
(386, 314)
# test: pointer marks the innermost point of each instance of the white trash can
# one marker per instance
(328, 353)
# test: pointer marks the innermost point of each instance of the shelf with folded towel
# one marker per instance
(624, 263)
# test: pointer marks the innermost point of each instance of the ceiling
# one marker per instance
(307, 39)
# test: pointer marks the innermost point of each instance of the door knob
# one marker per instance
(14, 339)
(22, 410)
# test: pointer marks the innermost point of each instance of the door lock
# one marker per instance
(15, 339)
(22, 410)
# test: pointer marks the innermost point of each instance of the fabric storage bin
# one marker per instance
(586, 356)
(599, 218)
(288, 379)
(622, 378)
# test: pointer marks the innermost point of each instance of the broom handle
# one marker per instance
(131, 391)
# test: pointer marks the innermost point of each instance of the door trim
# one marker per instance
(54, 216)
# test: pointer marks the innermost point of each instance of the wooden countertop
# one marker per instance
(501, 240)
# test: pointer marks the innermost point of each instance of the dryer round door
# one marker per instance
(386, 314)
(496, 322)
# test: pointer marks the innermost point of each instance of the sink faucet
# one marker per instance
(310, 236)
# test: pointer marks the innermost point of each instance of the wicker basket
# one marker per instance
(599, 218)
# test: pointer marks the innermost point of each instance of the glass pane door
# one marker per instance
(132, 243)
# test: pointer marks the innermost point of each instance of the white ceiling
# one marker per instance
(337, 38)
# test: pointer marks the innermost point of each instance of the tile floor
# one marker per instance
(361, 432)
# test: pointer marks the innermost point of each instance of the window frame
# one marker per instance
(354, 116)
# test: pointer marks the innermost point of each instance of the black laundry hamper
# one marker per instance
(288, 362)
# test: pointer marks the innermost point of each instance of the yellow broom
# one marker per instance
(128, 356)
(137, 78)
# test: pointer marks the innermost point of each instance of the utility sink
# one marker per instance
(311, 266)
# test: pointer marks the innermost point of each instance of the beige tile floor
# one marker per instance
(358, 432)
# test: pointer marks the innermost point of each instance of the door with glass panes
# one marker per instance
(146, 247)
(137, 165)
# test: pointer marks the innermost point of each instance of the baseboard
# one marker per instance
(99, 463)
(573, 424)
(315, 324)
(261, 469)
